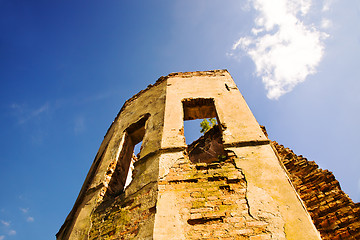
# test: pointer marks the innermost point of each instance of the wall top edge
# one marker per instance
(209, 73)
(218, 72)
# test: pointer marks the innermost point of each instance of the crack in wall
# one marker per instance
(259, 204)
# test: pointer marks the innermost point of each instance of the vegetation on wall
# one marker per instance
(207, 124)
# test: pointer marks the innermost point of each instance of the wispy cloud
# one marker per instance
(24, 210)
(6, 224)
(25, 114)
(79, 125)
(83, 100)
(284, 48)
(326, 6)
(10, 232)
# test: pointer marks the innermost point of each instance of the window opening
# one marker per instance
(130, 171)
(201, 130)
(135, 157)
(137, 149)
(192, 130)
(129, 154)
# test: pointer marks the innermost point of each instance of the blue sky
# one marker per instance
(66, 68)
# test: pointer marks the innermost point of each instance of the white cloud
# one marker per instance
(79, 125)
(40, 110)
(12, 232)
(326, 5)
(325, 23)
(2, 237)
(6, 224)
(24, 114)
(246, 6)
(284, 48)
(24, 210)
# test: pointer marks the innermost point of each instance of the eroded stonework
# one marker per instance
(230, 184)
(334, 214)
(207, 199)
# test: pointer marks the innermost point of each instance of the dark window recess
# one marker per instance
(133, 136)
(198, 108)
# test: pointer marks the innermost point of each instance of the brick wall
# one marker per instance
(212, 198)
(125, 218)
(211, 193)
(334, 214)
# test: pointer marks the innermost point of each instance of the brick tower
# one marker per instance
(230, 184)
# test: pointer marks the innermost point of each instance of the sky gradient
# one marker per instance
(67, 67)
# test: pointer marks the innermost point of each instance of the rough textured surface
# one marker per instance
(207, 148)
(117, 143)
(129, 217)
(210, 202)
(334, 214)
(231, 187)
(270, 194)
(207, 198)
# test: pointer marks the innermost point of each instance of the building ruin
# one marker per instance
(232, 183)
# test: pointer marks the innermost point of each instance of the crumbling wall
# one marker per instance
(334, 214)
(130, 217)
(239, 191)
(210, 203)
(203, 199)
(207, 148)
(106, 178)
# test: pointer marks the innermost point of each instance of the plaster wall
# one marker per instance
(271, 196)
(238, 123)
(170, 196)
(151, 101)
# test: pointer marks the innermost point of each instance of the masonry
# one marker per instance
(241, 190)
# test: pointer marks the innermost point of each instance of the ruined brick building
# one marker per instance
(232, 183)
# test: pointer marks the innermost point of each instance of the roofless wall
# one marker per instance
(242, 193)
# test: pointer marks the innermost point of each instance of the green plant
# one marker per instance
(207, 124)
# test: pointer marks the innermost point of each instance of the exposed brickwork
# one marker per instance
(334, 214)
(212, 196)
(211, 199)
(121, 218)
(232, 188)
(213, 202)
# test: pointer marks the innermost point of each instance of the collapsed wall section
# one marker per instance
(334, 214)
(240, 192)
(205, 198)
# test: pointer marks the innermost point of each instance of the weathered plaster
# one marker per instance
(246, 194)
(270, 194)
